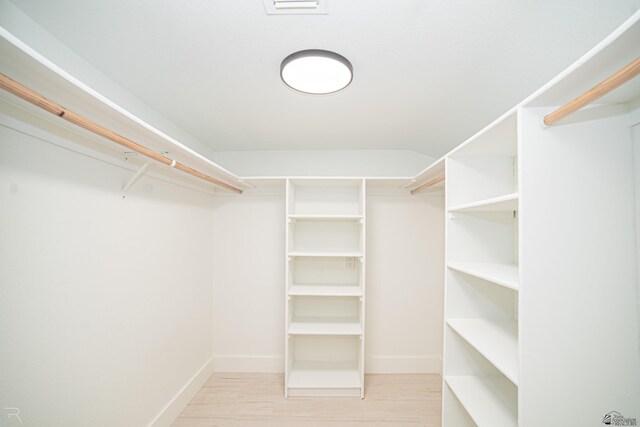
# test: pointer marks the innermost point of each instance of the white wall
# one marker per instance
(106, 303)
(248, 284)
(404, 283)
(405, 277)
(635, 135)
(570, 213)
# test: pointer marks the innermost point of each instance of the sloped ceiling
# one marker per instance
(428, 74)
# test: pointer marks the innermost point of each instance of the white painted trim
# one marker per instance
(426, 171)
(247, 363)
(372, 191)
(172, 410)
(373, 364)
(403, 365)
(317, 177)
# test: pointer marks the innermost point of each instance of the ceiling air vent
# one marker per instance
(296, 7)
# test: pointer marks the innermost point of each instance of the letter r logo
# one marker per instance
(13, 412)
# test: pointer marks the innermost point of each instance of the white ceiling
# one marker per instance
(427, 74)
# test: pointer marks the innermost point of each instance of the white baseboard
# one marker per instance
(373, 364)
(266, 364)
(169, 413)
(403, 365)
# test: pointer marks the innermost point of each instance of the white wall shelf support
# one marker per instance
(134, 178)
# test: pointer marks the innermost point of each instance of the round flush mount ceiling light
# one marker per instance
(316, 71)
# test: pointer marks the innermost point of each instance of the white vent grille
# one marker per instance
(296, 7)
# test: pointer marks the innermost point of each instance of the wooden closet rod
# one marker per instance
(604, 87)
(428, 184)
(35, 98)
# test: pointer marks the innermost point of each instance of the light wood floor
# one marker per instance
(254, 400)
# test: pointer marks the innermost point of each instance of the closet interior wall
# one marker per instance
(404, 270)
(106, 307)
(586, 259)
(188, 283)
(635, 135)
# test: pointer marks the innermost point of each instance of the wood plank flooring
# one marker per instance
(257, 400)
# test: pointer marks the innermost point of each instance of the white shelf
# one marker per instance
(325, 290)
(323, 217)
(325, 326)
(508, 202)
(501, 274)
(496, 340)
(335, 254)
(324, 310)
(324, 375)
(490, 401)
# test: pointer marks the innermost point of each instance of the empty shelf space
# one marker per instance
(496, 340)
(501, 274)
(490, 401)
(324, 217)
(344, 197)
(324, 375)
(326, 290)
(335, 254)
(325, 326)
(508, 202)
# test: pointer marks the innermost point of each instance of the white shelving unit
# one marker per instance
(326, 253)
(325, 326)
(323, 378)
(490, 401)
(325, 290)
(482, 280)
(326, 217)
(542, 267)
(496, 340)
(325, 287)
(508, 202)
(500, 274)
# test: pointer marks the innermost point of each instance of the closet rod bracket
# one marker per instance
(134, 178)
